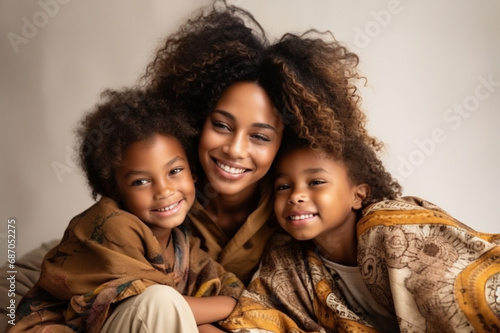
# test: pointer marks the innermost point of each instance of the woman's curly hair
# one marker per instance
(313, 79)
(220, 45)
(121, 118)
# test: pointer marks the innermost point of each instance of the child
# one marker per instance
(123, 262)
(364, 260)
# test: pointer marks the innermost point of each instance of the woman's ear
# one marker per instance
(361, 192)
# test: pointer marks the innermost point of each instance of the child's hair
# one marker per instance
(322, 109)
(120, 119)
(365, 167)
(219, 46)
(318, 99)
(362, 164)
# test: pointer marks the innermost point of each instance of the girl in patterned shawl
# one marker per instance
(124, 263)
(353, 255)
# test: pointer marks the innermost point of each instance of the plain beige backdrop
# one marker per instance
(433, 93)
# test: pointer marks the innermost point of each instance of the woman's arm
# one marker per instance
(211, 309)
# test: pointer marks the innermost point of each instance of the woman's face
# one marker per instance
(240, 139)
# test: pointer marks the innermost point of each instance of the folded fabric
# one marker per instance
(107, 255)
(433, 273)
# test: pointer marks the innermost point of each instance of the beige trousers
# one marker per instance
(158, 309)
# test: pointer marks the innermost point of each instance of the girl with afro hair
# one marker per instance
(127, 263)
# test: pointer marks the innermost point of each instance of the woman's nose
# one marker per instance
(237, 146)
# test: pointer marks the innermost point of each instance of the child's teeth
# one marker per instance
(168, 208)
(301, 217)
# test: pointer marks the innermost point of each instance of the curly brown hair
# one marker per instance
(365, 167)
(318, 98)
(220, 45)
(311, 78)
(121, 118)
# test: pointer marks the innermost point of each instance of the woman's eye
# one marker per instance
(261, 137)
(139, 182)
(221, 125)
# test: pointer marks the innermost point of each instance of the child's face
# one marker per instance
(240, 139)
(314, 195)
(155, 182)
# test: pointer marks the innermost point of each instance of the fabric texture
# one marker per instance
(432, 272)
(107, 255)
(240, 254)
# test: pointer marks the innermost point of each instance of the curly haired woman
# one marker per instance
(241, 93)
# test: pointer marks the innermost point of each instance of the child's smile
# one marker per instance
(298, 218)
(155, 183)
(314, 196)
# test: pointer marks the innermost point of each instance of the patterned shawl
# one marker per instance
(432, 272)
(107, 255)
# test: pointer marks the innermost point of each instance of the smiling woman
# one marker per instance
(213, 68)
(237, 146)
(239, 140)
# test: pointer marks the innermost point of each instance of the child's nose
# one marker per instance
(163, 189)
(297, 196)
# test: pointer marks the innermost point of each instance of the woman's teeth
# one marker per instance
(230, 169)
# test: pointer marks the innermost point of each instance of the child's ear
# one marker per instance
(361, 191)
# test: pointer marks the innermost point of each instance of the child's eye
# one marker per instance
(282, 187)
(317, 182)
(139, 182)
(175, 171)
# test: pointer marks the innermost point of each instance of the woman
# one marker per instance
(212, 67)
(242, 93)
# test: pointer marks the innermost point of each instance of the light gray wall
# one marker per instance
(433, 93)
